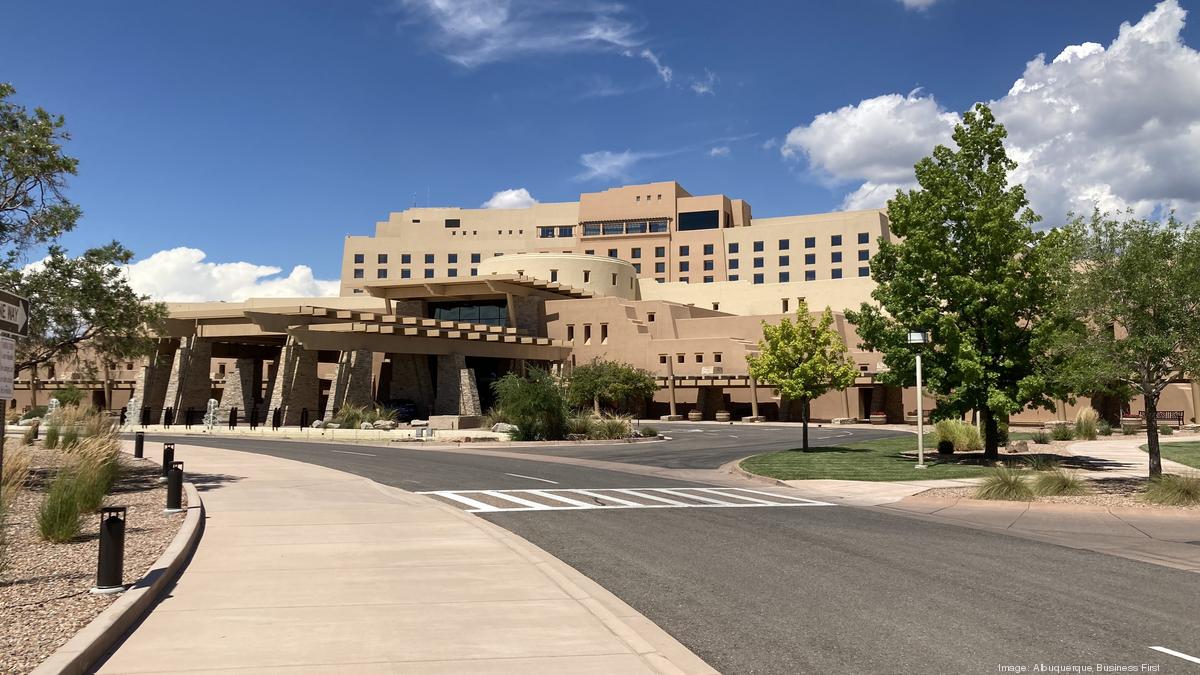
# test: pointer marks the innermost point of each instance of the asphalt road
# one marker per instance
(815, 590)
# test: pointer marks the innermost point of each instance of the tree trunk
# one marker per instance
(1152, 435)
(596, 405)
(804, 418)
(991, 435)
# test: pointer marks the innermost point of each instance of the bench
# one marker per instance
(1172, 417)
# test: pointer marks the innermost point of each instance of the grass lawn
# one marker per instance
(866, 460)
(1184, 453)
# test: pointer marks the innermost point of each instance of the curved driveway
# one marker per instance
(808, 590)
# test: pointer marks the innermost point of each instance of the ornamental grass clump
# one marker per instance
(1042, 462)
(93, 467)
(957, 436)
(1006, 485)
(1173, 490)
(1041, 437)
(1103, 428)
(611, 429)
(1063, 432)
(1086, 422)
(1059, 483)
(582, 425)
(58, 516)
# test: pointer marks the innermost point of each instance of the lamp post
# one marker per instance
(919, 337)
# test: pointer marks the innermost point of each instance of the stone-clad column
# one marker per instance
(457, 393)
(150, 389)
(241, 385)
(295, 385)
(351, 381)
(410, 380)
(190, 384)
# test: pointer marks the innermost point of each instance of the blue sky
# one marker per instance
(264, 131)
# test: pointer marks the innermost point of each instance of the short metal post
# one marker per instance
(124, 415)
(276, 419)
(168, 417)
(187, 419)
(167, 458)
(110, 565)
(304, 417)
(139, 444)
(175, 488)
(37, 430)
(253, 417)
(233, 418)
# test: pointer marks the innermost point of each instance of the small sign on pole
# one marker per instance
(8, 358)
(14, 314)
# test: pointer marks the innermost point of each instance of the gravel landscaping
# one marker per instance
(44, 588)
(1110, 492)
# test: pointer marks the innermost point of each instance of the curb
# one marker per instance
(660, 651)
(735, 468)
(94, 640)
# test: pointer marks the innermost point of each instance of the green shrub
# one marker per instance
(1062, 432)
(1042, 462)
(38, 411)
(534, 403)
(1103, 428)
(98, 467)
(58, 516)
(1165, 430)
(1130, 429)
(1001, 434)
(1041, 437)
(70, 437)
(963, 435)
(51, 440)
(1058, 482)
(649, 432)
(69, 395)
(1173, 490)
(352, 416)
(611, 384)
(1086, 421)
(1005, 484)
(945, 447)
(493, 417)
(611, 429)
(582, 425)
(30, 432)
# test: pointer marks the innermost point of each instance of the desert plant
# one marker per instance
(70, 437)
(1005, 484)
(963, 435)
(1165, 430)
(36, 411)
(98, 467)
(581, 425)
(493, 417)
(1086, 421)
(1062, 432)
(52, 434)
(1103, 428)
(649, 432)
(1042, 462)
(58, 516)
(1130, 429)
(31, 432)
(1041, 437)
(69, 395)
(611, 429)
(1173, 490)
(16, 470)
(1059, 482)
(534, 403)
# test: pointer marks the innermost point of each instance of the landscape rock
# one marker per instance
(1018, 446)
(318, 424)
(385, 425)
(365, 426)
(419, 423)
(503, 428)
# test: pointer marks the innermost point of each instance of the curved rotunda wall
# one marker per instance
(600, 275)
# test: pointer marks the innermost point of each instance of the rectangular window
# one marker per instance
(635, 228)
(836, 257)
(452, 258)
(679, 358)
(570, 332)
(835, 273)
(635, 253)
(428, 258)
(614, 279)
(591, 230)
(546, 232)
(587, 276)
(810, 258)
(733, 263)
(474, 272)
(637, 267)
(650, 317)
(758, 262)
(358, 273)
(708, 280)
(381, 273)
(784, 277)
(683, 266)
(810, 275)
(733, 277)
(699, 358)
(683, 250)
(784, 244)
(613, 228)
(587, 333)
(405, 259)
(758, 246)
(428, 274)
(864, 238)
(810, 242)
(659, 267)
(381, 258)
(699, 220)
(603, 333)
(708, 249)
(784, 260)
(566, 231)
(359, 258)
(590, 251)
(662, 358)
(660, 251)
(716, 357)
(733, 247)
(453, 222)
(612, 252)
(475, 257)
(864, 271)
(684, 279)
(405, 273)
(553, 275)
(708, 265)
(835, 240)
(758, 278)
(864, 255)
(784, 303)
(658, 226)
(452, 272)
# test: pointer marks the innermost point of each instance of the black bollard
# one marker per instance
(233, 417)
(145, 416)
(168, 457)
(139, 444)
(175, 488)
(111, 563)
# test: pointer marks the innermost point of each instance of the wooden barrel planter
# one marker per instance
(695, 416)
(722, 415)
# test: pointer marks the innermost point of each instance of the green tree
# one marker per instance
(611, 383)
(803, 360)
(970, 271)
(1135, 297)
(534, 403)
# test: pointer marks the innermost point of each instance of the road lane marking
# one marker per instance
(576, 499)
(618, 500)
(347, 452)
(641, 493)
(1181, 655)
(476, 506)
(513, 498)
(518, 475)
(699, 498)
(559, 498)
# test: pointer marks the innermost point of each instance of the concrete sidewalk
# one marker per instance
(307, 569)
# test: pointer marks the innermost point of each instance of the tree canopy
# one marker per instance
(970, 270)
(803, 359)
(1134, 302)
(609, 383)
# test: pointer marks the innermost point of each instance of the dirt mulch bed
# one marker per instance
(1110, 492)
(44, 588)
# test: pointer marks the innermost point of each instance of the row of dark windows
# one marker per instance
(406, 273)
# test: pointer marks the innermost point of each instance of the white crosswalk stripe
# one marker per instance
(577, 499)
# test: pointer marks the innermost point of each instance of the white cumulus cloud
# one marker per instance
(1115, 126)
(719, 151)
(516, 198)
(184, 275)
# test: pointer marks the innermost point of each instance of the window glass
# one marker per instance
(405, 258)
(683, 250)
(864, 255)
(453, 222)
(546, 232)
(699, 220)
(810, 242)
(758, 262)
(784, 244)
(405, 274)
(613, 228)
(810, 258)
(810, 275)
(358, 273)
(708, 265)
(784, 260)
(733, 263)
(864, 271)
(635, 253)
(452, 258)
(835, 273)
(475, 257)
(708, 249)
(591, 230)
(382, 258)
(784, 277)
(359, 258)
(660, 251)
(658, 226)
(758, 278)
(864, 238)
(758, 246)
(428, 258)
(566, 230)
(636, 228)
(733, 247)
(835, 240)
(836, 257)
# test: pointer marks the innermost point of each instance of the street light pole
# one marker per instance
(919, 337)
